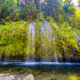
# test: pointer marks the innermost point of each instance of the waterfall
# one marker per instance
(46, 31)
(6, 56)
(31, 43)
(64, 48)
(12, 30)
(78, 38)
(56, 56)
(46, 37)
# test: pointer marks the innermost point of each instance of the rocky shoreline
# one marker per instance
(16, 77)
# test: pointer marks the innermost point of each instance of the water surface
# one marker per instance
(43, 70)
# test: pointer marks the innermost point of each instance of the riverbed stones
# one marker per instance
(30, 77)
(1, 75)
(12, 77)
(15, 77)
(7, 76)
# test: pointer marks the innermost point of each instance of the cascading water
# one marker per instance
(46, 31)
(7, 57)
(31, 43)
(12, 30)
(56, 56)
(0, 30)
(64, 48)
(47, 50)
(78, 38)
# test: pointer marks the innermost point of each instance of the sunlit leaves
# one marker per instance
(78, 0)
(66, 33)
(15, 1)
(78, 13)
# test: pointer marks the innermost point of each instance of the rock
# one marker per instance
(30, 77)
(11, 77)
(19, 79)
(1, 75)
(6, 77)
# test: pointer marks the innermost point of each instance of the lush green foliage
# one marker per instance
(13, 39)
(64, 19)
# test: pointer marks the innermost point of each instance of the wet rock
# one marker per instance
(29, 77)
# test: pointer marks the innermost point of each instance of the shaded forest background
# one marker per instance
(15, 10)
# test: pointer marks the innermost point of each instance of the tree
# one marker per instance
(77, 13)
(7, 7)
(60, 1)
(72, 9)
(29, 11)
(37, 4)
(68, 7)
(75, 19)
(78, 3)
(51, 8)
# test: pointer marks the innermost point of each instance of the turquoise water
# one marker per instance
(43, 71)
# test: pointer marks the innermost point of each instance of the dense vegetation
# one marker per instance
(15, 17)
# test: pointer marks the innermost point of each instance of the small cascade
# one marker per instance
(12, 30)
(0, 30)
(78, 38)
(56, 56)
(30, 58)
(31, 43)
(47, 59)
(64, 49)
(6, 59)
(46, 31)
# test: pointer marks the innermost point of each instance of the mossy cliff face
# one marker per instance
(39, 41)
(13, 40)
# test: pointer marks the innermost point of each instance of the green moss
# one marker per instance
(14, 40)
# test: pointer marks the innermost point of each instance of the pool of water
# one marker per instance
(43, 70)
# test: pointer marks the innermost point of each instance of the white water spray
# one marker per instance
(31, 43)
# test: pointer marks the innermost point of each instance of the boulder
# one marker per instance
(30, 77)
